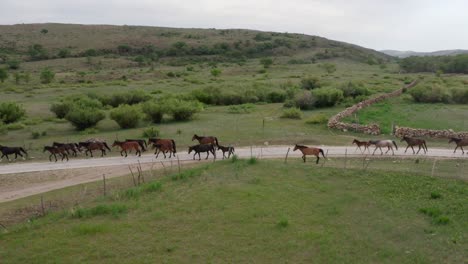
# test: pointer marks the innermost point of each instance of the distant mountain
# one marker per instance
(405, 54)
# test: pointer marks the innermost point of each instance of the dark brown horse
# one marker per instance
(90, 146)
(206, 140)
(203, 148)
(141, 142)
(128, 146)
(421, 143)
(360, 144)
(309, 151)
(53, 150)
(164, 145)
(68, 147)
(460, 143)
(12, 150)
(229, 150)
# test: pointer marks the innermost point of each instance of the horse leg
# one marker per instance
(91, 152)
(139, 153)
(50, 157)
(463, 152)
(406, 148)
(419, 149)
(55, 156)
(207, 154)
(374, 151)
(455, 149)
(194, 155)
(67, 157)
(125, 153)
(304, 158)
(412, 149)
(157, 153)
(164, 153)
(199, 158)
(318, 158)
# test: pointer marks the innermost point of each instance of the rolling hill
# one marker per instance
(405, 54)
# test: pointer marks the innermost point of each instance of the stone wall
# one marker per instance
(418, 132)
(372, 129)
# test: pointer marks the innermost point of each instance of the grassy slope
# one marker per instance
(263, 212)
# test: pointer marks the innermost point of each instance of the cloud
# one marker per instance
(398, 24)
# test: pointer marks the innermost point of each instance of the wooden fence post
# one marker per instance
(178, 163)
(104, 183)
(433, 167)
(286, 158)
(42, 205)
(133, 176)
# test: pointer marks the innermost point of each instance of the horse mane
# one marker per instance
(301, 146)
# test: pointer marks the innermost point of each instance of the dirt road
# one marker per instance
(23, 179)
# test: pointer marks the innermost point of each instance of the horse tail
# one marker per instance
(395, 144)
(216, 141)
(24, 151)
(321, 151)
(174, 146)
(105, 145)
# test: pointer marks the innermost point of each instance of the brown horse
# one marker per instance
(128, 145)
(460, 143)
(203, 140)
(68, 147)
(360, 144)
(309, 151)
(421, 143)
(90, 146)
(56, 150)
(164, 146)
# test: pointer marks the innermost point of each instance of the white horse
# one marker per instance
(383, 143)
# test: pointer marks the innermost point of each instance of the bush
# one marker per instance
(154, 111)
(151, 132)
(64, 53)
(60, 109)
(266, 62)
(304, 100)
(128, 97)
(276, 97)
(126, 116)
(310, 83)
(430, 94)
(241, 109)
(47, 76)
(317, 119)
(215, 72)
(11, 112)
(327, 96)
(3, 74)
(83, 118)
(13, 64)
(183, 110)
(460, 95)
(354, 89)
(292, 113)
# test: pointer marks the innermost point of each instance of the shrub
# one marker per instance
(150, 132)
(35, 135)
(128, 97)
(304, 100)
(183, 110)
(13, 64)
(460, 95)
(3, 74)
(126, 116)
(11, 112)
(354, 89)
(327, 96)
(215, 72)
(276, 96)
(241, 109)
(328, 67)
(47, 76)
(112, 209)
(317, 119)
(310, 83)
(154, 111)
(435, 195)
(83, 118)
(429, 94)
(64, 53)
(266, 62)
(292, 113)
(60, 109)
(15, 126)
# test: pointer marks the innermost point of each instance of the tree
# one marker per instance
(47, 76)
(44, 31)
(266, 62)
(3, 74)
(83, 118)
(126, 116)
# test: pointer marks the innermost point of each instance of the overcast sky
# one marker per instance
(379, 24)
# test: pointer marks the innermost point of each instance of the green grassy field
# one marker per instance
(261, 211)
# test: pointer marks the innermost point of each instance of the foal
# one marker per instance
(309, 151)
(229, 150)
(360, 144)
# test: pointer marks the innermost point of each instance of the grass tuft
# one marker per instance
(113, 209)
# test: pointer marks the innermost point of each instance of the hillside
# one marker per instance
(405, 54)
(90, 40)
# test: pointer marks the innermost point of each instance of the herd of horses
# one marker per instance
(208, 144)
